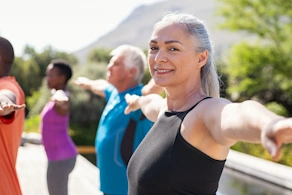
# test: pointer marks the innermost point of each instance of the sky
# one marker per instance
(66, 25)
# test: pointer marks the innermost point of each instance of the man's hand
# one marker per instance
(7, 106)
(83, 82)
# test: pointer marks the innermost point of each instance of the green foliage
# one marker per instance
(99, 55)
(93, 70)
(266, 19)
(84, 101)
(252, 149)
(32, 124)
(24, 69)
(38, 100)
(260, 68)
(43, 59)
(251, 72)
(83, 134)
(257, 150)
(286, 155)
(277, 108)
(86, 107)
(147, 77)
(31, 101)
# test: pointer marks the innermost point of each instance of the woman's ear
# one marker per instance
(202, 58)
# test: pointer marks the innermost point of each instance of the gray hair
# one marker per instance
(196, 28)
(134, 57)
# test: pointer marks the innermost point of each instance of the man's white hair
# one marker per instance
(133, 57)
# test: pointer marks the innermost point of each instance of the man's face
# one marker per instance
(116, 70)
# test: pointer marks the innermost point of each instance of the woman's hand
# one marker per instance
(60, 96)
(132, 101)
(275, 134)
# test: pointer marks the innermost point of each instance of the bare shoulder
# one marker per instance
(211, 109)
(218, 100)
(207, 109)
(208, 113)
(211, 105)
(201, 127)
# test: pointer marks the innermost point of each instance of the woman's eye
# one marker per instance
(153, 48)
(173, 49)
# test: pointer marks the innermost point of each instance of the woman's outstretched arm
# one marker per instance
(150, 105)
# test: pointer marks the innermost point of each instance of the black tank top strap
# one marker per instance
(187, 111)
(182, 115)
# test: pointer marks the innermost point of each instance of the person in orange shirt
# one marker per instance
(12, 116)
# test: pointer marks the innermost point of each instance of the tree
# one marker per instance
(28, 74)
(43, 58)
(99, 55)
(261, 67)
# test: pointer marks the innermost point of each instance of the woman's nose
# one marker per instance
(160, 56)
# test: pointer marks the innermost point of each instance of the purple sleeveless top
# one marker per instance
(56, 140)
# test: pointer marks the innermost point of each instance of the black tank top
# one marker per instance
(166, 164)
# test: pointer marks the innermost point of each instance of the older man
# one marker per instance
(118, 135)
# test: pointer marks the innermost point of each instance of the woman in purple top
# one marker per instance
(60, 149)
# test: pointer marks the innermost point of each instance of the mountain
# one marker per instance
(136, 29)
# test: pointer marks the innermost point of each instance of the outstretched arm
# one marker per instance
(251, 122)
(150, 105)
(8, 104)
(96, 86)
(151, 87)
